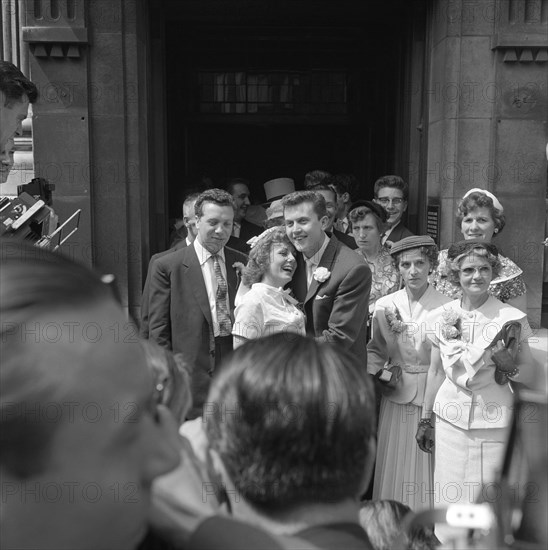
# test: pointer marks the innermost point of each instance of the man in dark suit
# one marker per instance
(330, 197)
(192, 290)
(242, 229)
(345, 186)
(332, 281)
(189, 220)
(391, 192)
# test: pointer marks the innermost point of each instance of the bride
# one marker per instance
(266, 308)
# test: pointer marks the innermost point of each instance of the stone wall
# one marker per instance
(487, 120)
(90, 127)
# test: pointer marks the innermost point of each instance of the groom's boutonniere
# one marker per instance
(321, 274)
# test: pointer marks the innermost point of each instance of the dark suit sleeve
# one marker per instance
(143, 330)
(160, 304)
(350, 308)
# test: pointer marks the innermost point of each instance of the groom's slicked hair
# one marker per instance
(292, 421)
(299, 197)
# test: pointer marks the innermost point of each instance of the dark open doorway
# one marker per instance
(263, 89)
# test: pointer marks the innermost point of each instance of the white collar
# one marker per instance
(315, 258)
(204, 254)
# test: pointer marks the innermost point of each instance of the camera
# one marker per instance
(30, 216)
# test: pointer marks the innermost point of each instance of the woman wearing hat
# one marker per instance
(368, 225)
(399, 357)
(479, 347)
(481, 216)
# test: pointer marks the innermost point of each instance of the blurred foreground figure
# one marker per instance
(383, 521)
(16, 93)
(291, 425)
(81, 435)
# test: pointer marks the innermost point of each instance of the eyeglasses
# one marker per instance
(396, 202)
(482, 271)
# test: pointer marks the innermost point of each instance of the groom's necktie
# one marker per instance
(223, 317)
(310, 268)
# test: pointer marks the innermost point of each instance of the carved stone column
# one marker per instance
(487, 120)
(57, 36)
(89, 60)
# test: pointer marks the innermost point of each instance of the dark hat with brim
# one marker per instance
(373, 206)
(415, 241)
(462, 247)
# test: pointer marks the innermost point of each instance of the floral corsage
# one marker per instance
(321, 274)
(451, 326)
(239, 267)
(394, 320)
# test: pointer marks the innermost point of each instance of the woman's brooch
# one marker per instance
(451, 326)
(394, 320)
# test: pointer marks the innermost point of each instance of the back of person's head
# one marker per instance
(171, 378)
(395, 182)
(34, 282)
(292, 421)
(78, 420)
(14, 84)
(314, 178)
(383, 521)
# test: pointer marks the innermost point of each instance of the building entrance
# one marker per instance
(275, 89)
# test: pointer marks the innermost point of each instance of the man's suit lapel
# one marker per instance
(327, 260)
(194, 270)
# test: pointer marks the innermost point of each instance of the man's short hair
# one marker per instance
(343, 183)
(34, 281)
(14, 84)
(216, 196)
(313, 178)
(292, 421)
(324, 187)
(299, 197)
(232, 182)
(391, 181)
(193, 197)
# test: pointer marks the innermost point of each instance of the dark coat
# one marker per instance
(180, 316)
(337, 309)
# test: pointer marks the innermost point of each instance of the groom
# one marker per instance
(332, 281)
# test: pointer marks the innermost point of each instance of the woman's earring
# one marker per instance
(496, 230)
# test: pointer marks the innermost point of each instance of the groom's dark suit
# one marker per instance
(180, 316)
(336, 310)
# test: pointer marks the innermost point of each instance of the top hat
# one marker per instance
(277, 188)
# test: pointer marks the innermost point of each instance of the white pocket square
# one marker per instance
(324, 297)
